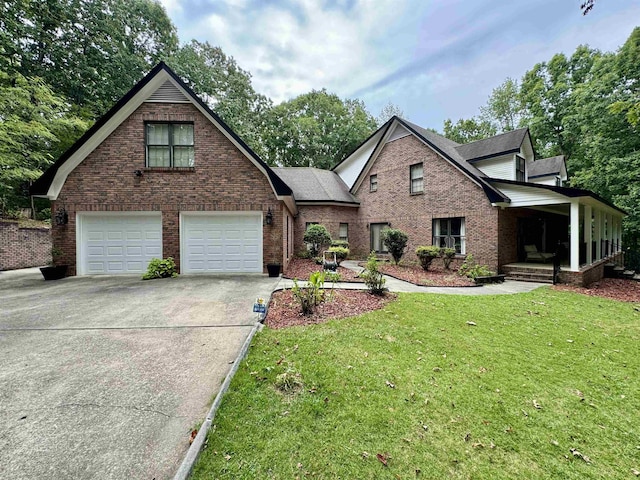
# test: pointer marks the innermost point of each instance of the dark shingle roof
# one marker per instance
(315, 185)
(492, 146)
(546, 166)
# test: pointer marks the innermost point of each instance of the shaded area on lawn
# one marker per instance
(301, 268)
(624, 290)
(284, 310)
(537, 385)
(434, 277)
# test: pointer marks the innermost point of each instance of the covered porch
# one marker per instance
(572, 228)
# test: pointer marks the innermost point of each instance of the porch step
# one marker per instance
(618, 271)
(539, 277)
(636, 277)
(628, 273)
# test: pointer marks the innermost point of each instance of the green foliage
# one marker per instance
(388, 111)
(447, 255)
(471, 269)
(426, 254)
(373, 278)
(341, 253)
(159, 268)
(396, 242)
(333, 277)
(318, 238)
(310, 296)
(44, 214)
(316, 129)
(465, 131)
(504, 108)
(340, 243)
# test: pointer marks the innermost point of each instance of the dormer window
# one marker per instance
(520, 169)
(558, 181)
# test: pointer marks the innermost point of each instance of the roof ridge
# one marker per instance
(494, 136)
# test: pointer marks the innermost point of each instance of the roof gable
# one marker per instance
(160, 85)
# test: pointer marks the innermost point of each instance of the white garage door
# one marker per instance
(222, 242)
(111, 243)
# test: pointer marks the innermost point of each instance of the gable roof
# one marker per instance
(508, 142)
(51, 181)
(546, 166)
(316, 185)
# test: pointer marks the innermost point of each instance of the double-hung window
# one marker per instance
(417, 178)
(344, 232)
(169, 145)
(449, 233)
(520, 169)
(373, 183)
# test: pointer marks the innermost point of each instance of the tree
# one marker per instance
(35, 127)
(225, 87)
(388, 111)
(503, 109)
(396, 242)
(90, 52)
(318, 237)
(316, 129)
(465, 131)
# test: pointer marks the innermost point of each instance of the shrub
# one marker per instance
(396, 241)
(447, 256)
(341, 253)
(373, 278)
(318, 238)
(471, 269)
(340, 243)
(44, 214)
(159, 268)
(312, 295)
(426, 254)
(333, 277)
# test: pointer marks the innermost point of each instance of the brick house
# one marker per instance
(162, 175)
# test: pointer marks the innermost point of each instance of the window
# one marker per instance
(558, 182)
(373, 183)
(308, 224)
(169, 145)
(449, 233)
(376, 237)
(520, 166)
(417, 181)
(343, 234)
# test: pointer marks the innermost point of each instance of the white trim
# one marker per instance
(217, 213)
(324, 204)
(80, 215)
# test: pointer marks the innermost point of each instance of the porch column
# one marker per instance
(598, 233)
(610, 232)
(588, 237)
(575, 235)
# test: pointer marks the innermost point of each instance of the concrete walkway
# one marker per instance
(395, 285)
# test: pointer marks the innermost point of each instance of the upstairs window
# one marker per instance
(520, 169)
(170, 145)
(373, 183)
(449, 233)
(417, 180)
(558, 182)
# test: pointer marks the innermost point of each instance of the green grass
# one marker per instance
(462, 402)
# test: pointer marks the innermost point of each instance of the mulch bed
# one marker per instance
(284, 311)
(434, 277)
(620, 289)
(301, 268)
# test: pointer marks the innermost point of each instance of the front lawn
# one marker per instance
(537, 385)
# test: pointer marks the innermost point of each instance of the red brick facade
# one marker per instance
(447, 193)
(23, 247)
(329, 216)
(223, 179)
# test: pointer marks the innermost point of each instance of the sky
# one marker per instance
(434, 59)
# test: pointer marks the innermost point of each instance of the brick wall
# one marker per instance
(447, 193)
(329, 216)
(23, 247)
(223, 179)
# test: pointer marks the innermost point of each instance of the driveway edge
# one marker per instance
(196, 447)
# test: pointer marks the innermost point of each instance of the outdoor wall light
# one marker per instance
(61, 216)
(269, 217)
(137, 173)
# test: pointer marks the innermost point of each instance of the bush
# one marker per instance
(471, 269)
(340, 243)
(341, 253)
(396, 241)
(159, 268)
(447, 256)
(318, 238)
(426, 255)
(373, 278)
(44, 214)
(312, 295)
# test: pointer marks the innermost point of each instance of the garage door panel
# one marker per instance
(220, 243)
(118, 244)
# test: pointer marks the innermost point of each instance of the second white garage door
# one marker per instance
(221, 242)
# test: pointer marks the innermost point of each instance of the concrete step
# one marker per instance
(636, 277)
(628, 273)
(530, 277)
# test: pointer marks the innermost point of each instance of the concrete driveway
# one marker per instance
(104, 377)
